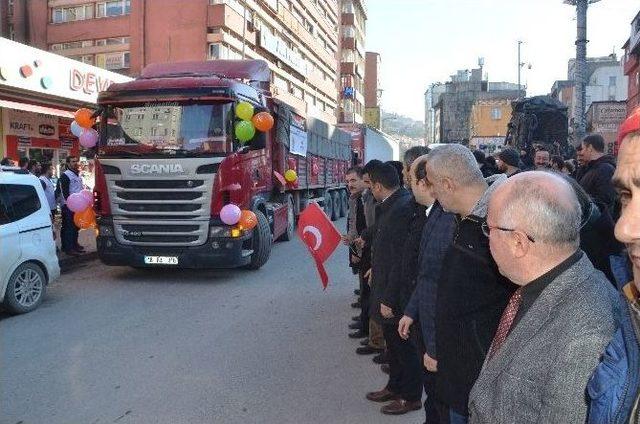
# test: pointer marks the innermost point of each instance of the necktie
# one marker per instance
(506, 322)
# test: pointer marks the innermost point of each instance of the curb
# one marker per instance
(69, 263)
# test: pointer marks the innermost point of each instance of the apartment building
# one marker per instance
(352, 62)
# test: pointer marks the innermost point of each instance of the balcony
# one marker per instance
(347, 68)
(348, 18)
(629, 63)
(348, 43)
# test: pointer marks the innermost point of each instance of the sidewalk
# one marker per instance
(86, 239)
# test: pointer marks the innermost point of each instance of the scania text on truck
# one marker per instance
(168, 161)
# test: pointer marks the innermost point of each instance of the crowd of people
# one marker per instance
(507, 292)
(56, 194)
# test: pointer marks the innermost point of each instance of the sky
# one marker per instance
(425, 41)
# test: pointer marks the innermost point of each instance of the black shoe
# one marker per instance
(365, 342)
(355, 326)
(381, 359)
(71, 253)
(358, 335)
(368, 350)
(355, 318)
(356, 292)
(356, 305)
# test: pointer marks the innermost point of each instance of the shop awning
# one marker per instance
(36, 109)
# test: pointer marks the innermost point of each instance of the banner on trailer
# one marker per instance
(298, 141)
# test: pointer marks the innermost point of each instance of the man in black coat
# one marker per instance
(390, 291)
(598, 172)
(471, 292)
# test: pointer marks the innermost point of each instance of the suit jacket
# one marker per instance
(540, 373)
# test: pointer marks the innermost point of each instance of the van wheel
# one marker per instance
(335, 199)
(260, 243)
(328, 204)
(291, 221)
(25, 289)
(344, 203)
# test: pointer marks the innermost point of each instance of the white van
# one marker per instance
(28, 260)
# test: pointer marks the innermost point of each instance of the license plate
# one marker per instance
(161, 260)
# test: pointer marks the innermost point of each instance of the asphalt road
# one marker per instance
(117, 345)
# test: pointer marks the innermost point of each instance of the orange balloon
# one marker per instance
(248, 220)
(85, 219)
(84, 119)
(263, 121)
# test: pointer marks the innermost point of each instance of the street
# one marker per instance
(181, 346)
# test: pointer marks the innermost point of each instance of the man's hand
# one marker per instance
(429, 363)
(386, 311)
(354, 259)
(367, 276)
(346, 240)
(403, 327)
(359, 242)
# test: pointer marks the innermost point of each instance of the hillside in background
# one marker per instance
(402, 126)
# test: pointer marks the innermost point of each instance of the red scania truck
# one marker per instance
(168, 161)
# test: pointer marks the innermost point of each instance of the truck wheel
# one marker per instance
(344, 203)
(335, 199)
(25, 289)
(261, 242)
(291, 221)
(328, 204)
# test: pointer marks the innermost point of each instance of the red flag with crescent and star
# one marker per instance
(322, 238)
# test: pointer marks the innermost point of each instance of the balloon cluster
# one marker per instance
(245, 219)
(250, 121)
(81, 128)
(81, 205)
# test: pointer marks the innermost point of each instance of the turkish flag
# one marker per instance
(320, 235)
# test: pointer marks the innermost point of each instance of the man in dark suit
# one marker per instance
(394, 213)
(558, 322)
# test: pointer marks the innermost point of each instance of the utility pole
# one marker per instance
(519, 68)
(580, 74)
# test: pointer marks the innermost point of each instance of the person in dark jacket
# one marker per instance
(471, 292)
(599, 169)
(508, 161)
(481, 159)
(390, 291)
(596, 232)
(436, 237)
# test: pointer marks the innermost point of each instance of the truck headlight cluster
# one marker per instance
(220, 231)
(105, 230)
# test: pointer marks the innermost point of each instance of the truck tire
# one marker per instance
(335, 199)
(291, 221)
(261, 242)
(25, 289)
(344, 203)
(328, 204)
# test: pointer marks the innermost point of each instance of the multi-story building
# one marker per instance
(453, 109)
(431, 99)
(352, 62)
(298, 38)
(488, 123)
(631, 65)
(372, 90)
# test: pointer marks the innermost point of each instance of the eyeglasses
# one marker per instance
(486, 230)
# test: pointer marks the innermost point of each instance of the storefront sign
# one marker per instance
(279, 48)
(29, 124)
(31, 69)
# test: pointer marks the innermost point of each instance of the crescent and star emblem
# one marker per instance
(313, 230)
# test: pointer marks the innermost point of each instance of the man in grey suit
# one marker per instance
(557, 323)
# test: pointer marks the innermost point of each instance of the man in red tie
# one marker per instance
(558, 321)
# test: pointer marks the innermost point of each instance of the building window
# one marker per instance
(87, 58)
(612, 81)
(70, 14)
(118, 60)
(12, 32)
(496, 114)
(113, 8)
(10, 7)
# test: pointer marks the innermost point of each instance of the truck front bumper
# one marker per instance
(215, 253)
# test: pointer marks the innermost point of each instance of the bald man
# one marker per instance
(557, 323)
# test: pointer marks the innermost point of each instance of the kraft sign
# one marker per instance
(88, 82)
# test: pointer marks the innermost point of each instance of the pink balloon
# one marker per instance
(76, 202)
(88, 138)
(230, 214)
(87, 195)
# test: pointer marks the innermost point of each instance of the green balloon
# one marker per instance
(245, 131)
(244, 111)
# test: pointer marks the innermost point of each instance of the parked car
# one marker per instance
(28, 262)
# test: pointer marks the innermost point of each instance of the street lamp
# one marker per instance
(581, 65)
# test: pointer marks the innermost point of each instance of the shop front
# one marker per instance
(39, 92)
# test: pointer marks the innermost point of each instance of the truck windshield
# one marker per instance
(162, 128)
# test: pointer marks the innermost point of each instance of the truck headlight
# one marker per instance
(105, 230)
(220, 232)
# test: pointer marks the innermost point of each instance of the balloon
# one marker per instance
(245, 131)
(76, 129)
(76, 202)
(248, 220)
(85, 219)
(88, 138)
(244, 111)
(263, 121)
(290, 176)
(84, 119)
(88, 196)
(230, 214)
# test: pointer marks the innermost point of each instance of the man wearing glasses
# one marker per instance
(559, 320)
